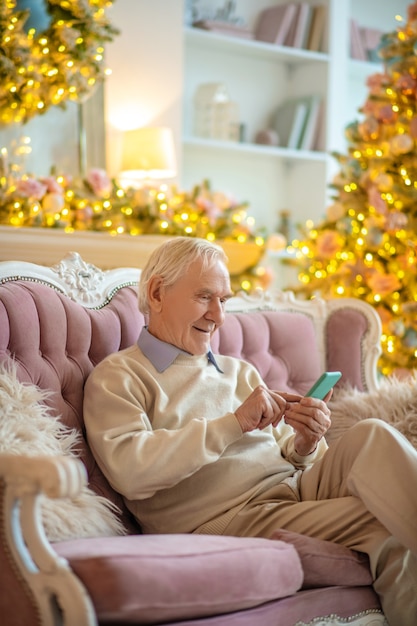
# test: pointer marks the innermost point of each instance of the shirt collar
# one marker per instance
(162, 354)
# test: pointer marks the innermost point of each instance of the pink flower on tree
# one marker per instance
(383, 284)
(328, 243)
(407, 84)
(377, 83)
(376, 200)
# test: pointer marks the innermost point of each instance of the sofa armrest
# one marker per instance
(56, 594)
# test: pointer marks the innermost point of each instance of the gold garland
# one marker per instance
(64, 62)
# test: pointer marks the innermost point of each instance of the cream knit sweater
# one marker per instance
(170, 444)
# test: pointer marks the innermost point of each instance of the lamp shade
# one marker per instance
(148, 153)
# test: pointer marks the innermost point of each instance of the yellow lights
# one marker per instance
(390, 346)
(41, 68)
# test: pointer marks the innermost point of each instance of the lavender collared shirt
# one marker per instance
(162, 354)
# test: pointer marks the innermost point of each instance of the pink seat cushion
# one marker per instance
(326, 563)
(147, 579)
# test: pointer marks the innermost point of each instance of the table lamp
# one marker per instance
(148, 154)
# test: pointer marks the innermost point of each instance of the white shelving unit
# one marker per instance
(260, 76)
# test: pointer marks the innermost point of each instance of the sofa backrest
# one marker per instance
(57, 323)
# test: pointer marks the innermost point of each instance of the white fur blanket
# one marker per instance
(394, 402)
(27, 428)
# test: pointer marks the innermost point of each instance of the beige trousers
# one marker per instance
(362, 494)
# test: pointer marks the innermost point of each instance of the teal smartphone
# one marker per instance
(322, 386)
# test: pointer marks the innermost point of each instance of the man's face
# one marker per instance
(187, 313)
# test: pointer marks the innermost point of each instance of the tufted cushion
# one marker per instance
(346, 327)
(277, 343)
(149, 579)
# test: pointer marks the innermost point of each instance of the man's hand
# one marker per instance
(262, 408)
(310, 419)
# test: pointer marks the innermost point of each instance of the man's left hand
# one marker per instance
(310, 419)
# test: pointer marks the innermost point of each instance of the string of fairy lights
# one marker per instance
(44, 68)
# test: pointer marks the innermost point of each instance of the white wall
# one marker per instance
(145, 87)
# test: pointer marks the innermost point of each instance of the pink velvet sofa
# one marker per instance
(56, 324)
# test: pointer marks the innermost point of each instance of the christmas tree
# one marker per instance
(366, 247)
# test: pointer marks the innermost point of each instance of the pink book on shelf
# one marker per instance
(302, 25)
(274, 23)
(357, 49)
(371, 38)
(289, 39)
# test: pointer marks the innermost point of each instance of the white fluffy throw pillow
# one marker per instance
(27, 428)
(395, 402)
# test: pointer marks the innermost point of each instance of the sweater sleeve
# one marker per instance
(137, 460)
(284, 435)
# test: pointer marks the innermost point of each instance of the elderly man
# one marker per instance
(198, 444)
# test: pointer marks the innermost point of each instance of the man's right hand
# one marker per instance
(262, 408)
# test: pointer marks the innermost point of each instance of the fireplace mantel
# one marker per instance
(47, 246)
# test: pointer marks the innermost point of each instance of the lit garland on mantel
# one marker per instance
(40, 69)
(97, 203)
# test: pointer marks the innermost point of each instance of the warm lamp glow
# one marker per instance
(148, 153)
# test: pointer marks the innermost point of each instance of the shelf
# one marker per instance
(48, 246)
(363, 69)
(252, 48)
(259, 77)
(255, 149)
